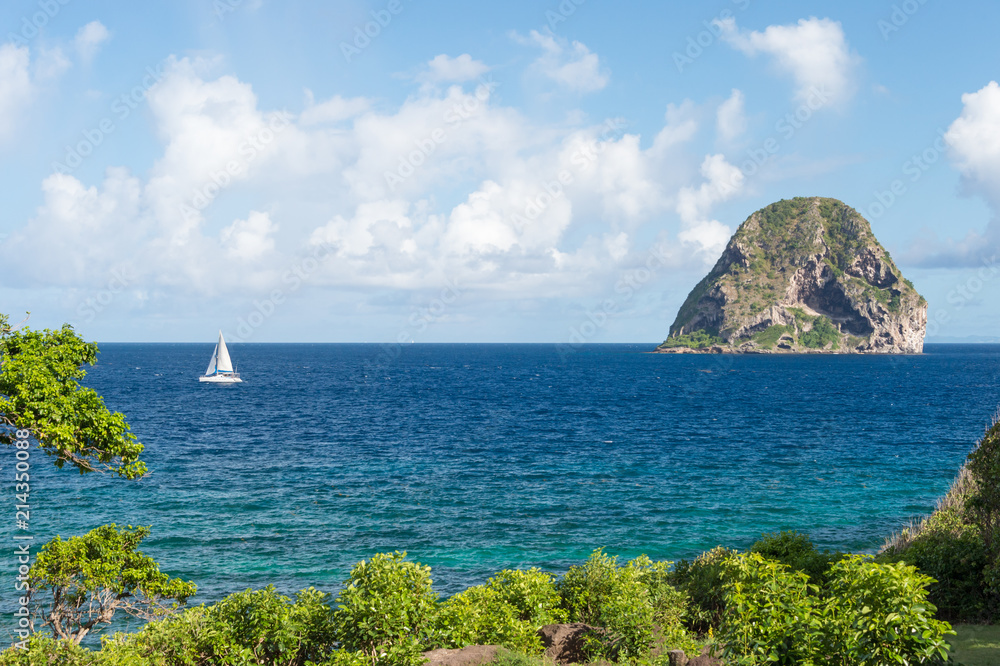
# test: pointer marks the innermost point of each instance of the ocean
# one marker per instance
(478, 457)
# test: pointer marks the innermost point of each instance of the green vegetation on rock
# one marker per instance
(806, 255)
(696, 340)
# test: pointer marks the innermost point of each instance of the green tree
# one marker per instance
(40, 392)
(80, 583)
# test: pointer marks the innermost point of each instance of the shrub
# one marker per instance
(481, 616)
(186, 638)
(879, 614)
(798, 552)
(701, 580)
(45, 650)
(983, 507)
(531, 592)
(602, 594)
(263, 626)
(770, 613)
(507, 611)
(822, 333)
(669, 604)
(386, 610)
(870, 614)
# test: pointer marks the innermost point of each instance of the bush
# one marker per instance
(798, 552)
(186, 638)
(770, 613)
(507, 611)
(386, 611)
(870, 614)
(956, 564)
(669, 604)
(262, 626)
(532, 593)
(602, 594)
(480, 616)
(701, 581)
(879, 614)
(51, 652)
(983, 507)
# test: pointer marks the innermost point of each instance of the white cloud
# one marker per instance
(333, 110)
(489, 198)
(572, 66)
(814, 51)
(730, 122)
(50, 64)
(722, 182)
(443, 69)
(973, 140)
(249, 239)
(89, 39)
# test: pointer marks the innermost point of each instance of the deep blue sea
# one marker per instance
(475, 457)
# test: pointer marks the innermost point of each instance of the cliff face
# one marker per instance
(802, 275)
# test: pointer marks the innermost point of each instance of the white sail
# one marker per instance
(222, 361)
(211, 363)
(220, 368)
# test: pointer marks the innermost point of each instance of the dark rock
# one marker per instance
(473, 655)
(564, 643)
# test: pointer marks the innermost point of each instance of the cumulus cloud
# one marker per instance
(973, 140)
(571, 65)
(89, 39)
(448, 183)
(722, 181)
(249, 239)
(333, 110)
(730, 121)
(814, 51)
(444, 69)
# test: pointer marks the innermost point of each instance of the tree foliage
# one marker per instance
(40, 392)
(82, 582)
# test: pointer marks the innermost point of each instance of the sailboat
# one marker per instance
(220, 368)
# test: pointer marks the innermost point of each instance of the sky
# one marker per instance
(399, 170)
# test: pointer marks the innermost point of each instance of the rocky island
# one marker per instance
(804, 275)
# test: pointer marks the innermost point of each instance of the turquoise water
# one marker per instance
(474, 458)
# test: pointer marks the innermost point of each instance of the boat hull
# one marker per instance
(220, 379)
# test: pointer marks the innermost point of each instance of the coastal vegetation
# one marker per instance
(782, 601)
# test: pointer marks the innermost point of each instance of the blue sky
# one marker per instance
(486, 172)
